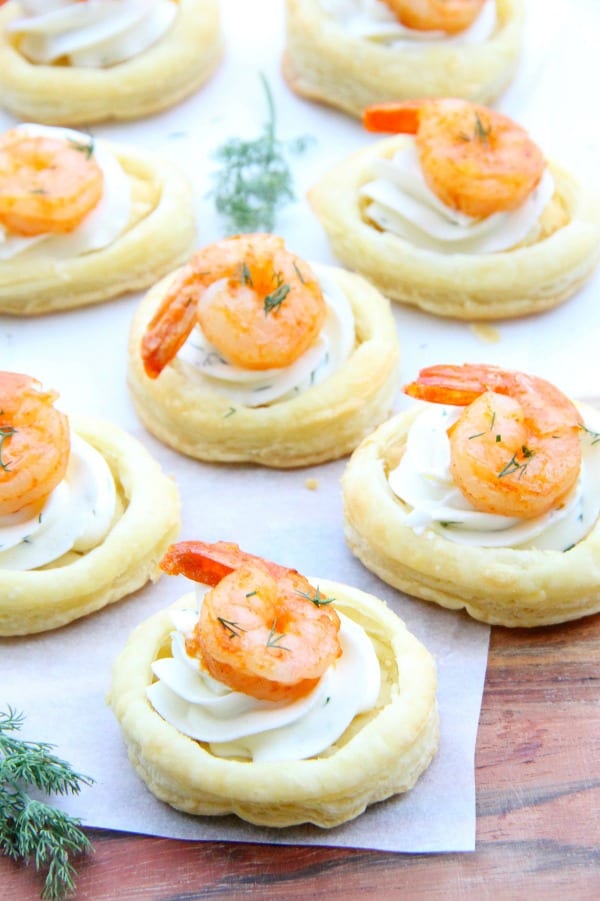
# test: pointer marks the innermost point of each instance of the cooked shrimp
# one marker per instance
(263, 629)
(47, 185)
(436, 15)
(34, 443)
(516, 449)
(256, 302)
(477, 161)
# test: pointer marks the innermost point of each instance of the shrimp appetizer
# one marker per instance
(85, 512)
(75, 63)
(459, 214)
(261, 665)
(487, 497)
(355, 53)
(82, 221)
(250, 354)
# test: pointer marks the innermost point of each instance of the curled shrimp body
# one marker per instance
(451, 16)
(34, 443)
(47, 185)
(257, 303)
(474, 159)
(515, 450)
(263, 629)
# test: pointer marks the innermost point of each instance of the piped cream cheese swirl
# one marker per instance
(94, 34)
(75, 517)
(237, 725)
(254, 388)
(101, 226)
(423, 482)
(398, 200)
(373, 20)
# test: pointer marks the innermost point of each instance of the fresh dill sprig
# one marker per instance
(318, 599)
(31, 829)
(255, 179)
(275, 637)
(233, 629)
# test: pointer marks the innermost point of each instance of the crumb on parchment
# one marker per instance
(485, 332)
(311, 484)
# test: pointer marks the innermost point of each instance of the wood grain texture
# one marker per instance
(538, 808)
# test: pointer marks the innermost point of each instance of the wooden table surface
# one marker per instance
(538, 808)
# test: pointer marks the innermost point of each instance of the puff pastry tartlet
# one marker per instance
(387, 217)
(347, 54)
(326, 775)
(182, 53)
(410, 520)
(98, 534)
(94, 220)
(286, 367)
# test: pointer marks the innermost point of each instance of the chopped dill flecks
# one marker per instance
(245, 276)
(229, 413)
(481, 132)
(5, 432)
(595, 436)
(87, 148)
(514, 466)
(275, 298)
(299, 273)
(255, 179)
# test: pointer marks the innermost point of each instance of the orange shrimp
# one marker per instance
(258, 304)
(34, 443)
(516, 448)
(47, 185)
(451, 16)
(474, 159)
(263, 629)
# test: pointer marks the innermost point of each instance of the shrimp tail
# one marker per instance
(208, 563)
(396, 117)
(171, 325)
(458, 385)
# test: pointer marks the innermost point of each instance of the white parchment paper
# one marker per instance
(60, 679)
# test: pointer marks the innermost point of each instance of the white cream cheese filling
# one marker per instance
(95, 34)
(401, 202)
(102, 225)
(253, 388)
(237, 725)
(75, 517)
(373, 20)
(423, 482)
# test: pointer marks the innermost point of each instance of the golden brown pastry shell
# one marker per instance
(323, 62)
(160, 235)
(167, 72)
(323, 423)
(530, 278)
(81, 583)
(501, 586)
(382, 753)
